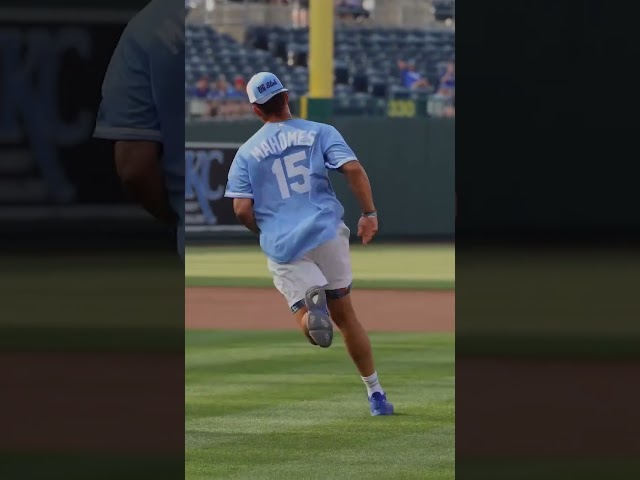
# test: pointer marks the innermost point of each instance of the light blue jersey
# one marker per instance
(283, 168)
(142, 93)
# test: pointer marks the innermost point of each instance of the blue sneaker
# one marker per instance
(379, 405)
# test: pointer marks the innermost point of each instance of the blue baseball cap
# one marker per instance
(263, 86)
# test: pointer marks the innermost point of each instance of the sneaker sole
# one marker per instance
(318, 323)
(379, 413)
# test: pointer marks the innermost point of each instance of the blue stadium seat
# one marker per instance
(365, 58)
(378, 87)
(342, 89)
(399, 92)
(341, 71)
(297, 55)
(360, 82)
(278, 48)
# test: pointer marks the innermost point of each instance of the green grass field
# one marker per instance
(266, 405)
(375, 266)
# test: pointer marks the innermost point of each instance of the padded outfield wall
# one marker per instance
(411, 164)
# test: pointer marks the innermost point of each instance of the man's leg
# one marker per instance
(359, 348)
(354, 334)
(335, 264)
(298, 283)
(301, 317)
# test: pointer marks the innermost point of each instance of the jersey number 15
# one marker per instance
(294, 169)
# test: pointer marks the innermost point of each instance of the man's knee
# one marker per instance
(338, 293)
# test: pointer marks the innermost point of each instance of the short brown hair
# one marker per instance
(274, 106)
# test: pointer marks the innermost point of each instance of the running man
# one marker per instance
(281, 191)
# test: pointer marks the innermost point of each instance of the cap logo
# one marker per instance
(270, 83)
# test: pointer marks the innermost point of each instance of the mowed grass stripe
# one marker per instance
(368, 463)
(383, 266)
(330, 426)
(293, 357)
(205, 358)
(306, 416)
(361, 283)
(243, 400)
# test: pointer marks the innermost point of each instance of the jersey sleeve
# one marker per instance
(127, 110)
(239, 184)
(335, 150)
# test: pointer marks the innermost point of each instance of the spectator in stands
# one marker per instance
(449, 111)
(239, 89)
(300, 13)
(448, 79)
(446, 93)
(230, 101)
(222, 89)
(447, 84)
(410, 78)
(202, 88)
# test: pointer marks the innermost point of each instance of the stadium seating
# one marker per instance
(444, 9)
(365, 59)
(213, 54)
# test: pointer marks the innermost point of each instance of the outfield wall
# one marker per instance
(411, 164)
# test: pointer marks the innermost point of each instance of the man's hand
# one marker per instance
(367, 228)
(359, 183)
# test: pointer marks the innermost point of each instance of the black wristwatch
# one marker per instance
(370, 214)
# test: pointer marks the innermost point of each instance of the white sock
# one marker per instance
(372, 383)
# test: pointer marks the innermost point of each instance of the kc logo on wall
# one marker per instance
(52, 63)
(205, 207)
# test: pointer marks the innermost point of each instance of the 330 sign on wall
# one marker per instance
(206, 171)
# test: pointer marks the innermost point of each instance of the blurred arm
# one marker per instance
(243, 208)
(139, 168)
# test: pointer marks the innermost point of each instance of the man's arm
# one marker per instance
(339, 156)
(140, 170)
(359, 183)
(243, 208)
(361, 187)
(239, 188)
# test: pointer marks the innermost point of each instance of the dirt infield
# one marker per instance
(378, 310)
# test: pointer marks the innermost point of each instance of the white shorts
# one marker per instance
(328, 266)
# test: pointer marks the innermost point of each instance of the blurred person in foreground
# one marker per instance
(412, 79)
(281, 191)
(141, 112)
